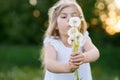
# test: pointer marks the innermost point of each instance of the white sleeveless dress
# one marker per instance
(63, 55)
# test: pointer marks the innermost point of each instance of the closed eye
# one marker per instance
(63, 17)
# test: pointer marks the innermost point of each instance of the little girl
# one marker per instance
(59, 59)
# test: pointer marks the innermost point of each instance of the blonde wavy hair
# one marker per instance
(54, 12)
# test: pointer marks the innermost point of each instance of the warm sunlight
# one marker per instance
(112, 29)
(117, 3)
(117, 27)
(111, 18)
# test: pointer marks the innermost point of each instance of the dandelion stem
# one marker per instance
(75, 47)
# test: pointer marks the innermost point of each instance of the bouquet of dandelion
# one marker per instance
(75, 37)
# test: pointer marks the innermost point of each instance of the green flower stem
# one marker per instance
(76, 74)
(75, 48)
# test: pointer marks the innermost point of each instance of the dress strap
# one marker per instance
(85, 35)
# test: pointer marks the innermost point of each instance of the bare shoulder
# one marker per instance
(49, 50)
(47, 45)
(88, 41)
(88, 44)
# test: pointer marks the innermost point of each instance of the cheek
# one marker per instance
(62, 26)
(60, 23)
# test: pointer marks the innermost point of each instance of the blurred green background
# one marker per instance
(22, 26)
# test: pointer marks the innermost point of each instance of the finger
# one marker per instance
(78, 64)
(74, 54)
(77, 56)
(77, 60)
(74, 66)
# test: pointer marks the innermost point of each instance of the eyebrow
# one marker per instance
(66, 13)
(63, 13)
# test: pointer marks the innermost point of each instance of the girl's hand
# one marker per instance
(76, 59)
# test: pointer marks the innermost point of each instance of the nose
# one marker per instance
(68, 20)
(69, 17)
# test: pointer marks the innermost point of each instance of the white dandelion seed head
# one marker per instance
(75, 22)
(71, 31)
(70, 40)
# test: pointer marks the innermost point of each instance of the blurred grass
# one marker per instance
(24, 73)
(22, 63)
(18, 62)
(29, 73)
(20, 55)
(102, 73)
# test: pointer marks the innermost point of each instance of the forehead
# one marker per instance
(70, 9)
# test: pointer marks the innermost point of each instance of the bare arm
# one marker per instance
(51, 62)
(91, 52)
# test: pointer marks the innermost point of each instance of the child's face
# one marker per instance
(63, 19)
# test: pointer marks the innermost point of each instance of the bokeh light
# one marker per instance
(117, 2)
(33, 2)
(111, 18)
(36, 13)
